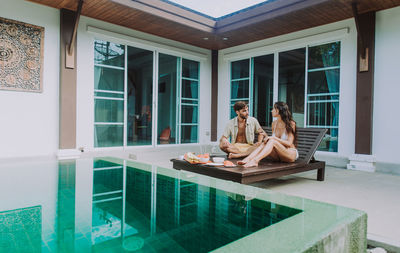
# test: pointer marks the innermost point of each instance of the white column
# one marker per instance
(362, 162)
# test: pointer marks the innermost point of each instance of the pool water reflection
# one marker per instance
(105, 206)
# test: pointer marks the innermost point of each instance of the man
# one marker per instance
(241, 130)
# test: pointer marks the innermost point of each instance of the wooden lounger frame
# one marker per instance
(308, 142)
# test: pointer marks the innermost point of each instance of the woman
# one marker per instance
(281, 146)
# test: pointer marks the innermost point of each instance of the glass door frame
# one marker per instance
(155, 49)
(178, 109)
(179, 94)
(251, 83)
(153, 97)
(232, 101)
(122, 68)
(276, 74)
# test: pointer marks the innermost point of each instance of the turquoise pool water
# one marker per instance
(109, 205)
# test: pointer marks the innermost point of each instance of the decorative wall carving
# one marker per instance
(21, 56)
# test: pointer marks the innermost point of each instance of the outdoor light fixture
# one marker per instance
(205, 38)
(224, 38)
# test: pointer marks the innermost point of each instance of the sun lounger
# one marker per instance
(308, 142)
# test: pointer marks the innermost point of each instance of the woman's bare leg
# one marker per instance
(285, 154)
(288, 155)
(253, 161)
(252, 155)
(274, 156)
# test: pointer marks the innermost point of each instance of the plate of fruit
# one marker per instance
(229, 164)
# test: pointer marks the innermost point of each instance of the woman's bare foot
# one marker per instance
(251, 163)
(244, 161)
(241, 162)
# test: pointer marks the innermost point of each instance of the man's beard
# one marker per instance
(243, 117)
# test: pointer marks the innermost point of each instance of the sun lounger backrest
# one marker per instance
(308, 140)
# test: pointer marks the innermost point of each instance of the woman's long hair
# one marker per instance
(286, 117)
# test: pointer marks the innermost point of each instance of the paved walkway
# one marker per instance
(375, 193)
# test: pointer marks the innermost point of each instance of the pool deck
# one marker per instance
(375, 193)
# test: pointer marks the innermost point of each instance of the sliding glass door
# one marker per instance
(252, 81)
(139, 96)
(178, 93)
(168, 85)
(323, 92)
(123, 93)
(240, 83)
(263, 88)
(109, 72)
(291, 82)
(189, 101)
(308, 80)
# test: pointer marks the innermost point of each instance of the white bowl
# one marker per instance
(218, 159)
(204, 160)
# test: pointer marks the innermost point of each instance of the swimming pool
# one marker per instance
(113, 205)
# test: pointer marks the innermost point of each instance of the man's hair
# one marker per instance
(239, 105)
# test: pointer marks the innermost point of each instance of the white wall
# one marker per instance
(343, 31)
(102, 30)
(29, 121)
(386, 120)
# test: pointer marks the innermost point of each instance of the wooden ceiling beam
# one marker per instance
(274, 18)
(359, 32)
(172, 13)
(70, 48)
(76, 22)
(263, 13)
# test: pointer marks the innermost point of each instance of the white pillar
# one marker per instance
(362, 162)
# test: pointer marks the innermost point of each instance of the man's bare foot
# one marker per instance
(252, 163)
(235, 155)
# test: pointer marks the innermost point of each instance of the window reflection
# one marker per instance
(142, 209)
(109, 61)
(108, 53)
(107, 216)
